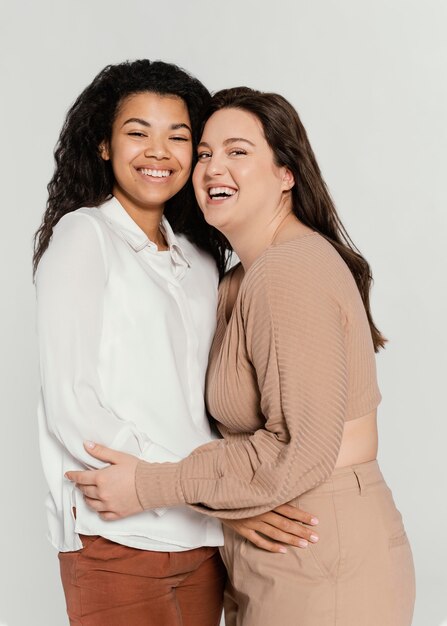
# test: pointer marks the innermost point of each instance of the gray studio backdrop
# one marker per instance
(369, 79)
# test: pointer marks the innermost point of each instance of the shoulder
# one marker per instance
(79, 222)
(309, 262)
(311, 255)
(76, 241)
(303, 276)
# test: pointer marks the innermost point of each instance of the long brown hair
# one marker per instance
(312, 203)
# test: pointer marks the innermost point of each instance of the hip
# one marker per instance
(360, 528)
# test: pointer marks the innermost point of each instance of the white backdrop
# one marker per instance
(369, 80)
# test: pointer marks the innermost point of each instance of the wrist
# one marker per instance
(158, 484)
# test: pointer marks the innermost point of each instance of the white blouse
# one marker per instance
(124, 336)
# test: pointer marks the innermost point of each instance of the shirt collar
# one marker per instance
(113, 210)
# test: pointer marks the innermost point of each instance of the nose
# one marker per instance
(215, 166)
(157, 148)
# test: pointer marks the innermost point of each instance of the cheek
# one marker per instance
(250, 169)
(122, 155)
(262, 181)
(197, 178)
(184, 157)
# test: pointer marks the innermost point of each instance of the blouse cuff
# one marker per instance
(158, 485)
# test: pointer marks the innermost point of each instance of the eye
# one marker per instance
(237, 152)
(136, 133)
(203, 155)
(180, 138)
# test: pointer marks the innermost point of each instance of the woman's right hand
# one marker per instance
(270, 531)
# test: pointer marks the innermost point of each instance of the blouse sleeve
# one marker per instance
(70, 285)
(294, 335)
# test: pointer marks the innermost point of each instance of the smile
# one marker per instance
(221, 193)
(155, 173)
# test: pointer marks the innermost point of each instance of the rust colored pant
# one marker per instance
(360, 573)
(107, 584)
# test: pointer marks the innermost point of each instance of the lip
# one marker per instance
(218, 201)
(157, 180)
(220, 184)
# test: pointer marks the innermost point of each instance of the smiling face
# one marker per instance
(150, 150)
(237, 183)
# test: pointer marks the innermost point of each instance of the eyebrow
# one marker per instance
(139, 120)
(229, 141)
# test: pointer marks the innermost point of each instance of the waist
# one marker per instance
(359, 477)
(165, 530)
(359, 443)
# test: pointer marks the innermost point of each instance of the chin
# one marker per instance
(217, 221)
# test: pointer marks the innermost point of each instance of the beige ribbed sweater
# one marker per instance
(294, 361)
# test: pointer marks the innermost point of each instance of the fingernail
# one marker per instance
(302, 543)
(314, 520)
(314, 538)
(283, 550)
(89, 444)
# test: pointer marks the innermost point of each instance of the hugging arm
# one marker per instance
(294, 333)
(297, 350)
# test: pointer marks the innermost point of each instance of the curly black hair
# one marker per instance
(83, 179)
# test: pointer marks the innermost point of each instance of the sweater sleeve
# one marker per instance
(294, 337)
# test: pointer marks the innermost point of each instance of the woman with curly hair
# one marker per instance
(292, 383)
(126, 273)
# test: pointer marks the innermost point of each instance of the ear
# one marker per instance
(288, 179)
(104, 151)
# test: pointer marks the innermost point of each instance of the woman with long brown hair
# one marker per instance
(291, 382)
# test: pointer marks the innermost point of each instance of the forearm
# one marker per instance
(234, 480)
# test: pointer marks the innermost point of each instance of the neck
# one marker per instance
(250, 242)
(147, 218)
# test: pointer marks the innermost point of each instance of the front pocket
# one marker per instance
(88, 542)
(326, 553)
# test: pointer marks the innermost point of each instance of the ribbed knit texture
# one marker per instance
(293, 363)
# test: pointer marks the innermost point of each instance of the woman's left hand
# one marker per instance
(286, 524)
(110, 491)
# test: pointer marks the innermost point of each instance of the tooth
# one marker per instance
(155, 173)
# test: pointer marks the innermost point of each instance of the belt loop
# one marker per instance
(360, 481)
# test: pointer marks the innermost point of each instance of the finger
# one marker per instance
(89, 490)
(265, 544)
(95, 505)
(289, 526)
(297, 514)
(108, 516)
(102, 453)
(285, 538)
(86, 477)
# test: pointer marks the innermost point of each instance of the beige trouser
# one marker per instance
(360, 573)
